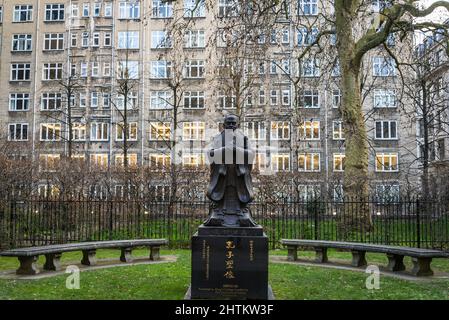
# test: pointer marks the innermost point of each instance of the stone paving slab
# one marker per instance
(101, 264)
(341, 265)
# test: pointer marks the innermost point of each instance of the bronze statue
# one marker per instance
(231, 188)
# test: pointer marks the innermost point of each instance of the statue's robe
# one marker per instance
(225, 175)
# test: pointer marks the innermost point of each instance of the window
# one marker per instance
(255, 130)
(106, 69)
(50, 131)
(336, 98)
(52, 71)
(194, 100)
(19, 102)
(339, 162)
(95, 69)
(260, 161)
(280, 162)
(193, 159)
(106, 100)
(99, 131)
(273, 97)
(226, 101)
(194, 8)
(99, 160)
(1, 14)
(227, 8)
(160, 40)
(160, 100)
(95, 39)
(384, 67)
(380, 5)
(51, 101)
(386, 130)
(309, 130)
(310, 68)
(131, 159)
(128, 40)
(280, 130)
(387, 162)
(310, 191)
(307, 37)
(18, 132)
(194, 39)
(309, 162)
(129, 10)
(131, 101)
(160, 131)
(73, 40)
(85, 39)
(307, 7)
(286, 97)
(285, 36)
(107, 39)
(86, 9)
(128, 69)
(261, 97)
(97, 9)
(310, 99)
(94, 99)
(22, 42)
(20, 71)
(83, 100)
(194, 131)
(54, 12)
(23, 13)
(83, 69)
(384, 98)
(160, 69)
(285, 66)
(160, 160)
(273, 67)
(54, 41)
(337, 130)
(75, 11)
(387, 193)
(162, 9)
(78, 131)
(108, 9)
(132, 131)
(49, 162)
(194, 69)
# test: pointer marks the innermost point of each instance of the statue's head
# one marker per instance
(231, 122)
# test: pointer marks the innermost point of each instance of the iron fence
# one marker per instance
(405, 222)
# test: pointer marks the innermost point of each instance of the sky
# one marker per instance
(438, 16)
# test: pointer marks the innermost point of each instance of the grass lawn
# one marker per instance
(170, 281)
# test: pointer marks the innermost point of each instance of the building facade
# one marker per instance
(76, 75)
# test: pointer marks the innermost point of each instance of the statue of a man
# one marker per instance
(231, 188)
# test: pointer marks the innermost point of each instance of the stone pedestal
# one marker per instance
(230, 263)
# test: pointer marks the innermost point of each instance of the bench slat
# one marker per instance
(58, 248)
(413, 252)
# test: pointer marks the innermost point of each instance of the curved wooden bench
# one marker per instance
(421, 258)
(28, 256)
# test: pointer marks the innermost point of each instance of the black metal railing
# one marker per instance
(405, 222)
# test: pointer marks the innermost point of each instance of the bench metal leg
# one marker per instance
(292, 253)
(89, 257)
(53, 261)
(395, 262)
(126, 255)
(321, 255)
(28, 265)
(155, 253)
(358, 258)
(421, 267)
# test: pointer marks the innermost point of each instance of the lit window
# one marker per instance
(194, 131)
(99, 131)
(50, 131)
(160, 131)
(387, 162)
(280, 162)
(337, 130)
(132, 131)
(309, 130)
(280, 130)
(339, 162)
(309, 162)
(131, 158)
